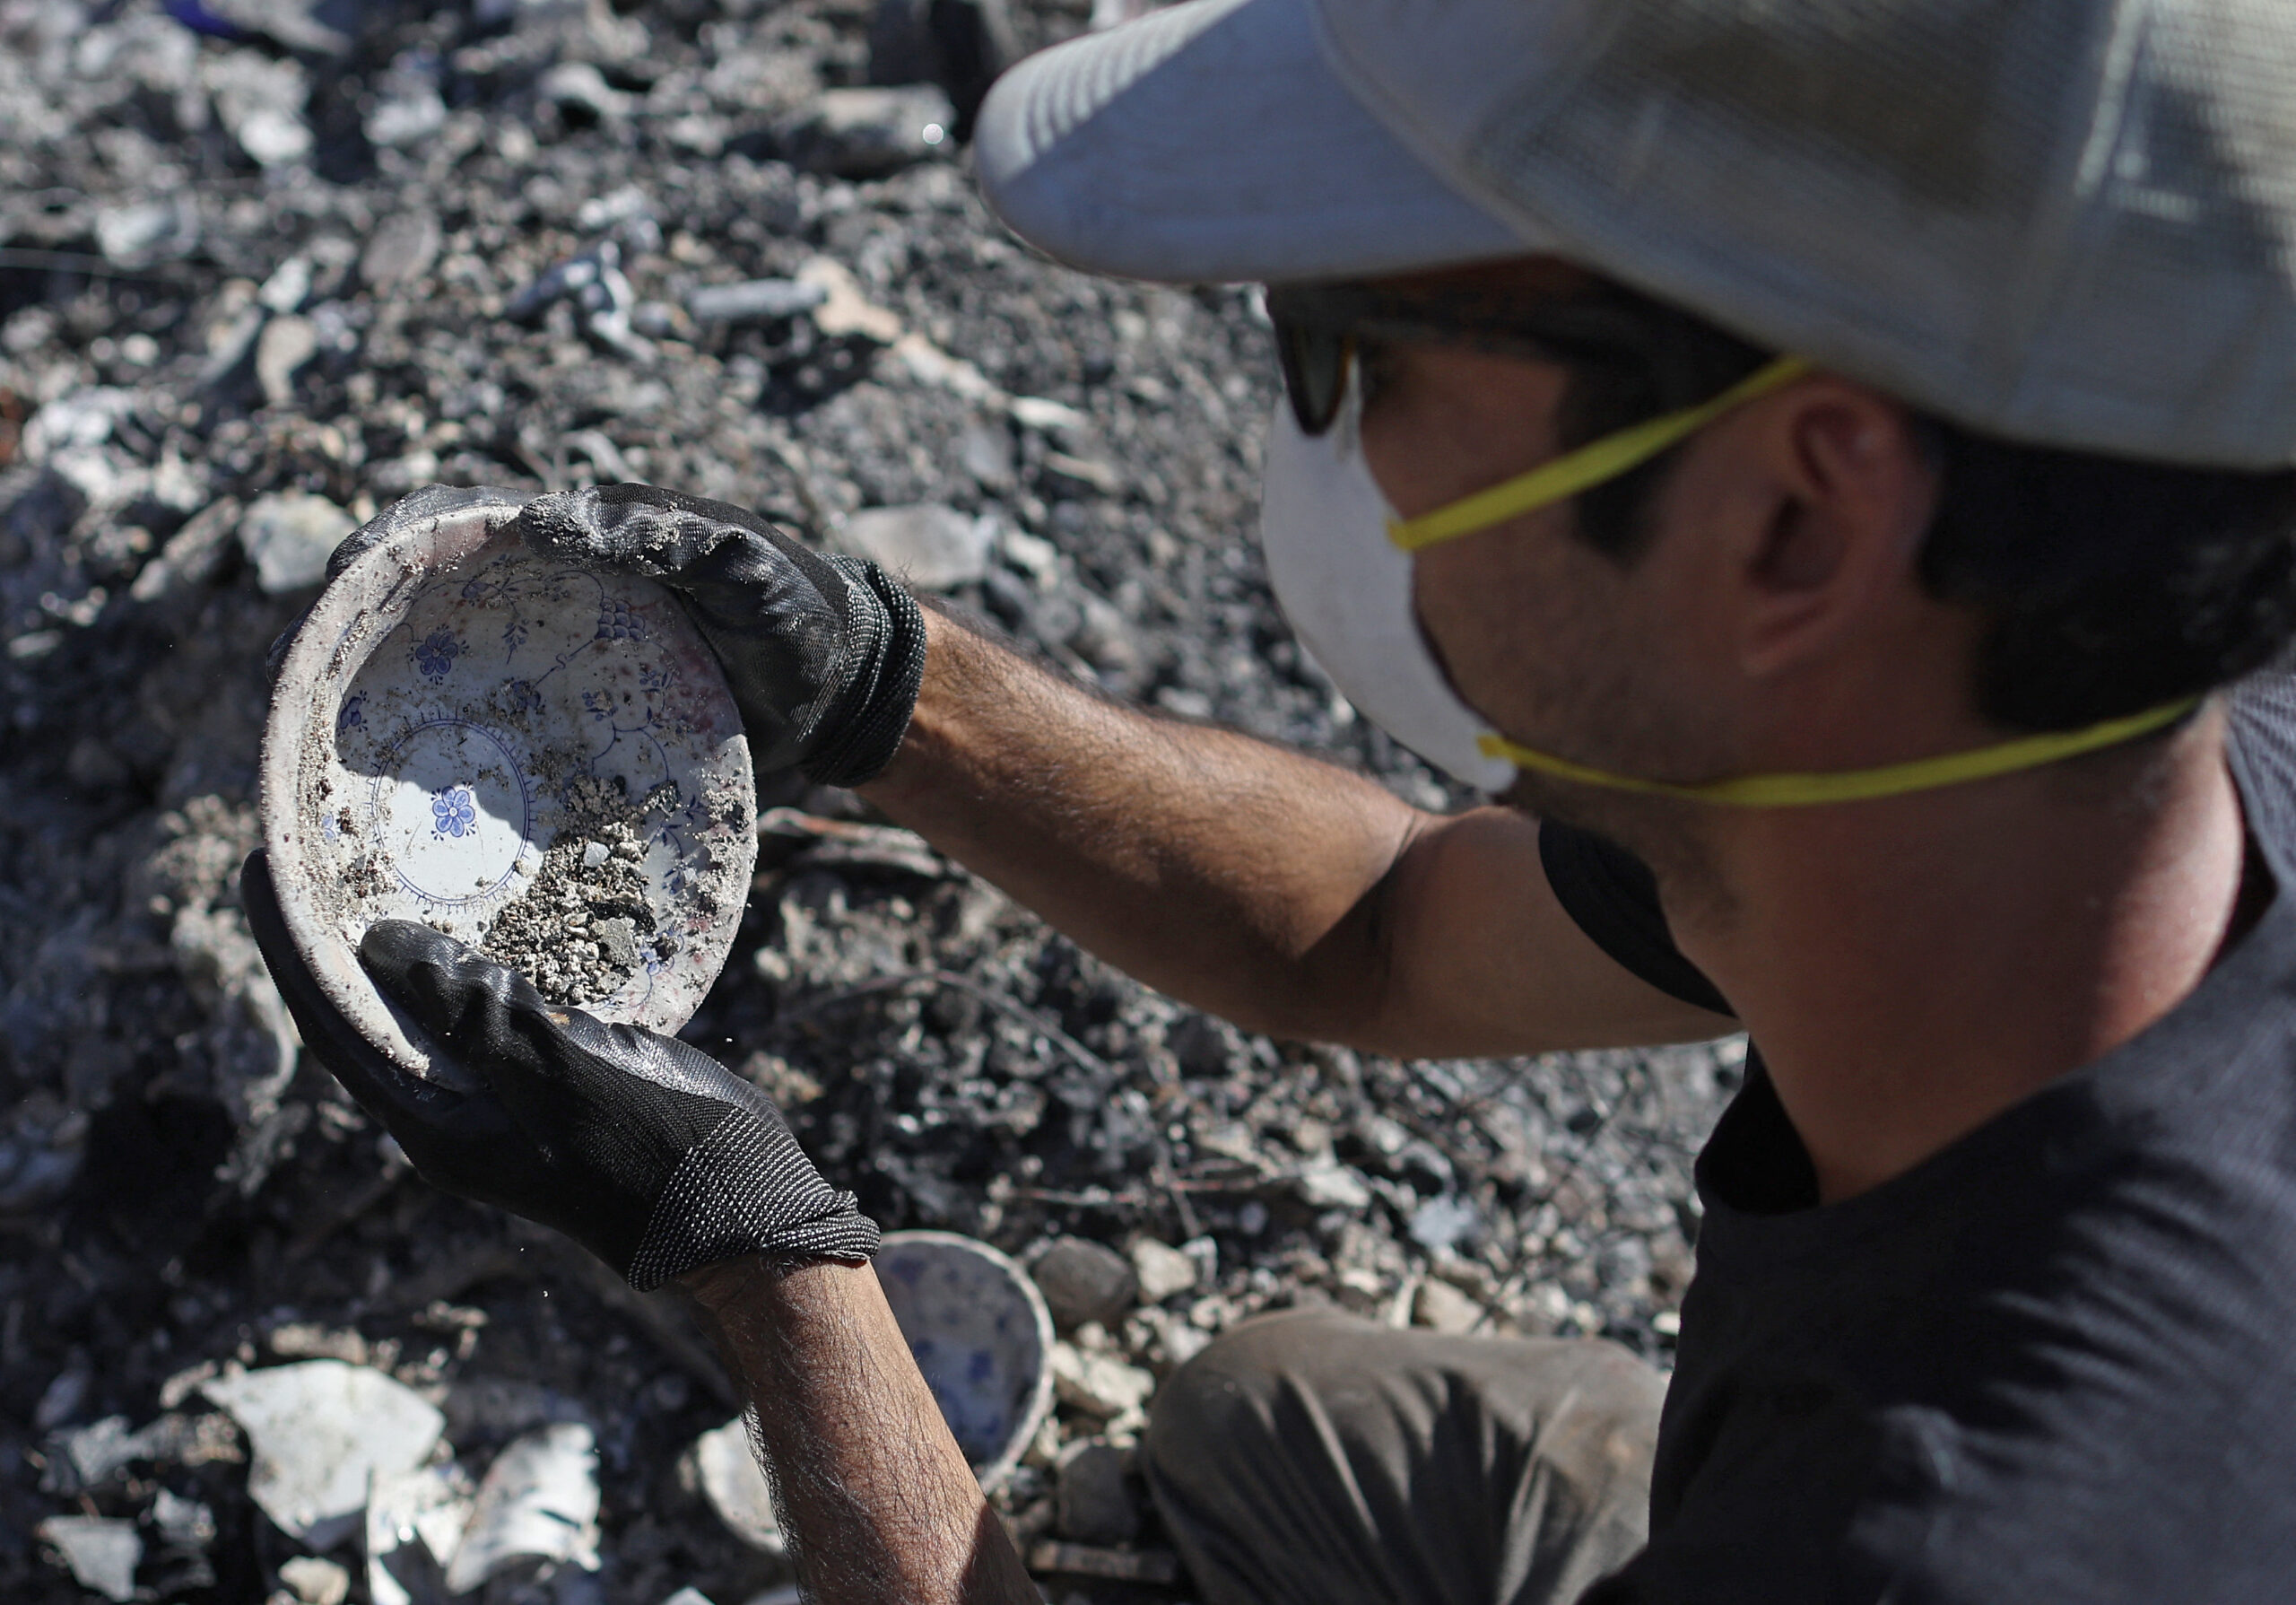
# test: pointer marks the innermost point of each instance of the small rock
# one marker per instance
(79, 418)
(1047, 416)
(288, 535)
(401, 250)
(260, 100)
(62, 1398)
(1099, 1384)
(868, 133)
(287, 287)
(1444, 1308)
(578, 86)
(101, 1551)
(1163, 1272)
(290, 23)
(1213, 1313)
(314, 1581)
(930, 546)
(185, 1523)
(845, 308)
(147, 232)
(1078, 475)
(727, 1468)
(689, 1595)
(629, 209)
(985, 450)
(319, 1430)
(753, 300)
(538, 1501)
(1327, 1184)
(617, 939)
(94, 1453)
(1083, 1282)
(415, 1521)
(1446, 1221)
(285, 345)
(408, 107)
(1094, 1501)
(191, 553)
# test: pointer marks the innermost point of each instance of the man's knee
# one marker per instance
(1225, 1391)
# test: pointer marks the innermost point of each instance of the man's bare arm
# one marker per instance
(877, 1499)
(1286, 893)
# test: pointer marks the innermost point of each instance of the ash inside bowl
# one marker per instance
(581, 928)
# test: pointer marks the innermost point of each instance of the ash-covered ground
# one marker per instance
(264, 269)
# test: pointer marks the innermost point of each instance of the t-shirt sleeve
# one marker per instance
(1615, 898)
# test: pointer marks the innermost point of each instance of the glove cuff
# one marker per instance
(886, 631)
(747, 1189)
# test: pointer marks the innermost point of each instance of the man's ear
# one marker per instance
(1848, 493)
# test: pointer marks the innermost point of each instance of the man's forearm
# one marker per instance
(1230, 873)
(877, 1501)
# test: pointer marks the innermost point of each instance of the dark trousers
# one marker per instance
(1317, 1458)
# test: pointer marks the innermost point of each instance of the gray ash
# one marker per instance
(582, 928)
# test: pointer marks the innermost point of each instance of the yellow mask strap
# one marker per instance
(1583, 469)
(1859, 785)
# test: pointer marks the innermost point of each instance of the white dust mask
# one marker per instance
(1346, 589)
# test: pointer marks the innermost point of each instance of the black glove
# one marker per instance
(649, 1153)
(825, 653)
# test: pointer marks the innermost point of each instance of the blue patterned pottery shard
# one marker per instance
(353, 713)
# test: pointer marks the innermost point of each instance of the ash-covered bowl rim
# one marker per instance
(1007, 1274)
(427, 536)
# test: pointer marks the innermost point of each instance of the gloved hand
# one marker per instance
(825, 653)
(648, 1152)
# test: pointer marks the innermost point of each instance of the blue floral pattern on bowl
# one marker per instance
(435, 655)
(454, 811)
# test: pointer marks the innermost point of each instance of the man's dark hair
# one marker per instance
(2109, 585)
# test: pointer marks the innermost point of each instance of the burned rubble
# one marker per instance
(266, 267)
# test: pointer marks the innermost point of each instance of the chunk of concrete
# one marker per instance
(537, 1502)
(288, 535)
(415, 1521)
(320, 1430)
(102, 1552)
(930, 546)
(315, 1580)
(1162, 1271)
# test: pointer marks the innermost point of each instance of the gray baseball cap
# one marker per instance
(2071, 223)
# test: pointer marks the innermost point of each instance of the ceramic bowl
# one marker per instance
(541, 760)
(982, 1335)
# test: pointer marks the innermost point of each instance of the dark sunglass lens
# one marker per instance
(1315, 372)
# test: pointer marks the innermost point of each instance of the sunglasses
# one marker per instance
(1320, 330)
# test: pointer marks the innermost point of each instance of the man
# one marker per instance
(1827, 464)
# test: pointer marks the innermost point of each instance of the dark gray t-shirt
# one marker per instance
(2056, 1362)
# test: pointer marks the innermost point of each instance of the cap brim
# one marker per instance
(1212, 142)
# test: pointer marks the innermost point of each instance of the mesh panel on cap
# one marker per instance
(2062, 220)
